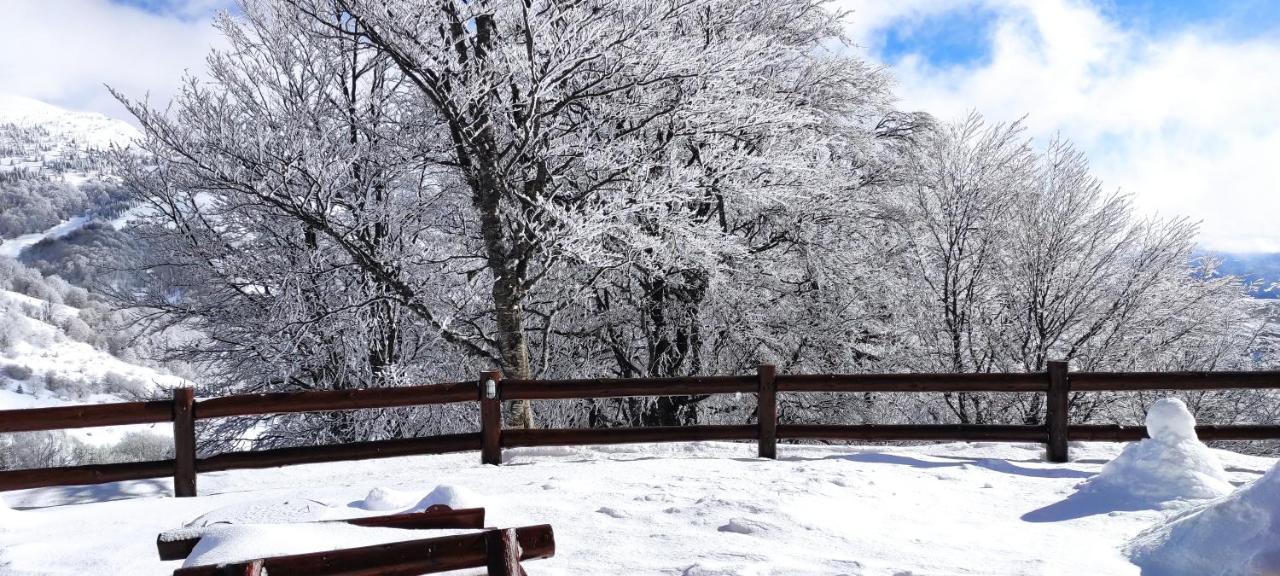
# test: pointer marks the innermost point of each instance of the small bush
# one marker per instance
(16, 372)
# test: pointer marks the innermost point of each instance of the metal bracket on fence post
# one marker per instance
(491, 417)
(767, 410)
(1056, 416)
(184, 443)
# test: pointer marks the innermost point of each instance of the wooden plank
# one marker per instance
(503, 551)
(82, 475)
(622, 387)
(1128, 381)
(87, 416)
(912, 383)
(340, 452)
(1056, 416)
(425, 556)
(589, 436)
(931, 432)
(330, 400)
(767, 411)
(178, 544)
(490, 385)
(184, 443)
(1206, 432)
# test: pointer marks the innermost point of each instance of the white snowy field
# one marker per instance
(677, 509)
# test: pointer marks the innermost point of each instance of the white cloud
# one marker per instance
(64, 51)
(1187, 122)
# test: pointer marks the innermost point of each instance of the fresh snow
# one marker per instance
(1170, 465)
(1235, 536)
(670, 509)
(232, 542)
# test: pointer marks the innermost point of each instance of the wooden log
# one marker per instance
(329, 400)
(254, 568)
(622, 387)
(912, 383)
(930, 432)
(340, 452)
(503, 551)
(589, 436)
(184, 443)
(65, 417)
(412, 557)
(491, 417)
(81, 475)
(1127, 381)
(767, 411)
(178, 544)
(1206, 432)
(1056, 416)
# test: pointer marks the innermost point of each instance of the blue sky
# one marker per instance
(963, 36)
(1175, 101)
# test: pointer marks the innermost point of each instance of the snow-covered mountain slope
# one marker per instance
(55, 171)
(57, 129)
(695, 509)
(46, 359)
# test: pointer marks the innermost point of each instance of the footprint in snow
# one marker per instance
(613, 512)
(746, 526)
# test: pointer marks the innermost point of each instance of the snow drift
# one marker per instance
(1170, 465)
(1238, 535)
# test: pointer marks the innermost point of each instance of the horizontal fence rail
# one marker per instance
(1057, 383)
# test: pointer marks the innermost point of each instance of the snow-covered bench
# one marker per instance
(178, 544)
(500, 551)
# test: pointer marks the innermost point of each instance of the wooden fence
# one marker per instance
(183, 411)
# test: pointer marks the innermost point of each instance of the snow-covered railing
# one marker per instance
(1057, 383)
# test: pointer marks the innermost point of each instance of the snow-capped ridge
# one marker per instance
(85, 129)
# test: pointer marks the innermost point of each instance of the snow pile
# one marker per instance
(386, 499)
(452, 496)
(267, 512)
(1170, 465)
(238, 542)
(1236, 536)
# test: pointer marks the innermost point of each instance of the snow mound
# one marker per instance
(1168, 419)
(1170, 465)
(452, 496)
(386, 499)
(1235, 536)
(267, 511)
(238, 542)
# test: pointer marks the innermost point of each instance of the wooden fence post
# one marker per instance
(502, 553)
(184, 442)
(1056, 417)
(767, 410)
(491, 417)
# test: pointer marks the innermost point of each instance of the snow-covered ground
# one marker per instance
(693, 509)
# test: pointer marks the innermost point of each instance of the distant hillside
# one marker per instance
(1261, 267)
(54, 170)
